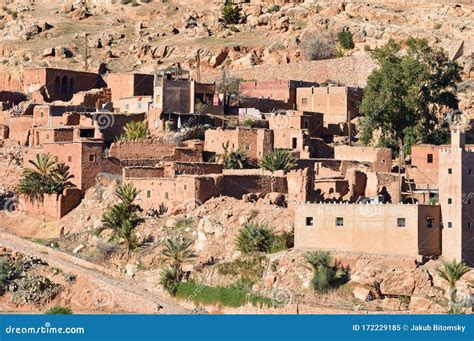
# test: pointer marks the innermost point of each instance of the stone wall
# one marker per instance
(351, 71)
(145, 149)
(52, 205)
(244, 181)
(380, 158)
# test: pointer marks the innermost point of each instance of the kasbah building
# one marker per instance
(345, 197)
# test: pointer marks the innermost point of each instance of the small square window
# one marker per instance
(148, 194)
(429, 158)
(401, 222)
(92, 158)
(69, 158)
(139, 105)
(429, 223)
(304, 101)
(469, 171)
(166, 195)
(469, 225)
(450, 225)
(450, 171)
(309, 221)
(306, 124)
(339, 221)
(185, 187)
(450, 201)
(127, 107)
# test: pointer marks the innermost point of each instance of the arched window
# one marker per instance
(57, 85)
(71, 86)
(64, 85)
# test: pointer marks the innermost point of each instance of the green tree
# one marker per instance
(345, 40)
(408, 96)
(326, 276)
(279, 159)
(230, 14)
(135, 130)
(452, 272)
(177, 250)
(121, 218)
(255, 238)
(46, 177)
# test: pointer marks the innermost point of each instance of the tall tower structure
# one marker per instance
(456, 197)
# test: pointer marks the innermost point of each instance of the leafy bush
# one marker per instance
(248, 269)
(59, 310)
(326, 276)
(254, 238)
(279, 159)
(169, 279)
(248, 123)
(230, 297)
(274, 8)
(345, 40)
(234, 159)
(135, 130)
(231, 14)
(283, 242)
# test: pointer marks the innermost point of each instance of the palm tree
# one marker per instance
(177, 251)
(121, 218)
(326, 275)
(135, 130)
(47, 177)
(234, 159)
(44, 164)
(255, 238)
(452, 272)
(279, 159)
(127, 193)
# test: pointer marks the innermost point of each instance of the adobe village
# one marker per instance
(268, 157)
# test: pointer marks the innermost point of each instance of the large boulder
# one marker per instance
(398, 283)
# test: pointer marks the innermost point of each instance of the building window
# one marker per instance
(469, 201)
(148, 194)
(469, 225)
(450, 225)
(429, 222)
(185, 187)
(309, 221)
(139, 105)
(127, 107)
(401, 222)
(92, 158)
(166, 195)
(69, 158)
(450, 201)
(469, 171)
(305, 124)
(339, 221)
(450, 171)
(429, 158)
(304, 101)
(41, 114)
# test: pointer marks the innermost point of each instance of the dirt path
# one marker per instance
(119, 289)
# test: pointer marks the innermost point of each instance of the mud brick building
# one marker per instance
(441, 228)
(175, 92)
(59, 84)
(282, 90)
(338, 104)
(125, 85)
